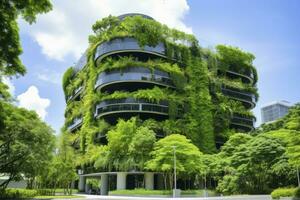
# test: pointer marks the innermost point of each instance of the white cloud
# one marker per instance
(10, 85)
(31, 100)
(49, 76)
(64, 31)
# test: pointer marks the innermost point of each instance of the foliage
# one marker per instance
(18, 193)
(10, 10)
(129, 145)
(4, 93)
(67, 77)
(256, 165)
(140, 191)
(187, 155)
(26, 143)
(232, 58)
(200, 119)
(283, 192)
(60, 171)
(191, 109)
(104, 26)
(58, 197)
(233, 144)
(297, 193)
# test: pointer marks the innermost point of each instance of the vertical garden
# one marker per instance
(140, 81)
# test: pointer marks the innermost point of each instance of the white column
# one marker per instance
(104, 184)
(149, 180)
(81, 183)
(121, 180)
(87, 188)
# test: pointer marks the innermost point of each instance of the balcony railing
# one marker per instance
(127, 44)
(248, 77)
(247, 122)
(130, 105)
(240, 95)
(134, 74)
(81, 63)
(75, 94)
(76, 123)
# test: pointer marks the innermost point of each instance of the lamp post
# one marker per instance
(174, 158)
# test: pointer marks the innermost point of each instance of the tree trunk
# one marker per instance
(298, 178)
(165, 180)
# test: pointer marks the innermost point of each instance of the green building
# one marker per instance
(137, 67)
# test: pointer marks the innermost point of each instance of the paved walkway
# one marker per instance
(243, 197)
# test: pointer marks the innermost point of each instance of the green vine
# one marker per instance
(197, 109)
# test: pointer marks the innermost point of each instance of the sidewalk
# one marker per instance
(241, 197)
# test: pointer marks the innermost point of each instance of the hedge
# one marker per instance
(18, 193)
(283, 192)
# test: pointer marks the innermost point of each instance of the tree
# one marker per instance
(129, 145)
(26, 143)
(66, 166)
(61, 171)
(230, 147)
(10, 47)
(187, 156)
(141, 145)
(10, 10)
(287, 129)
(255, 166)
(294, 154)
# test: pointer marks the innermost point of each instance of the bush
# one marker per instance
(211, 193)
(283, 192)
(18, 193)
(45, 192)
(140, 191)
(297, 193)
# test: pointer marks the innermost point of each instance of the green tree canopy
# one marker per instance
(10, 47)
(26, 143)
(187, 155)
(129, 145)
(10, 63)
(256, 166)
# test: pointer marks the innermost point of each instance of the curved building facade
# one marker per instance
(92, 87)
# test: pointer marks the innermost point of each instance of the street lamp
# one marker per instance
(174, 154)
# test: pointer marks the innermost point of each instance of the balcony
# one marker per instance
(101, 138)
(81, 63)
(125, 108)
(131, 79)
(247, 98)
(76, 94)
(246, 78)
(127, 46)
(242, 122)
(75, 124)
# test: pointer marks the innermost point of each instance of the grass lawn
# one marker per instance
(59, 197)
(144, 192)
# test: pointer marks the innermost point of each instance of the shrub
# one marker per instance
(283, 192)
(140, 191)
(297, 193)
(45, 192)
(18, 193)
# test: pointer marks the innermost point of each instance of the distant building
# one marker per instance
(274, 111)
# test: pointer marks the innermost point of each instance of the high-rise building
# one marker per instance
(274, 110)
(137, 67)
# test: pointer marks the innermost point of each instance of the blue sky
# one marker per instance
(269, 29)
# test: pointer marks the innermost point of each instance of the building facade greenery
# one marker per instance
(198, 108)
